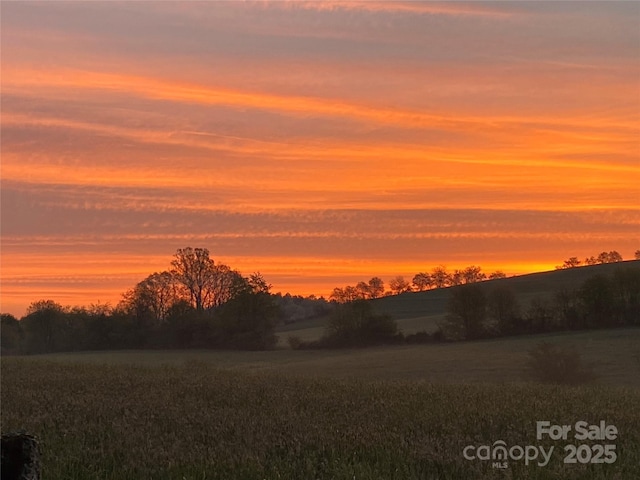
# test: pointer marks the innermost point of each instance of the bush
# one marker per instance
(560, 365)
(295, 342)
(355, 325)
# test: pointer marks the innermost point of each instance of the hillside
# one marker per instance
(416, 311)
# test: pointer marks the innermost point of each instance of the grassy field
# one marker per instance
(612, 352)
(386, 413)
(415, 311)
(196, 421)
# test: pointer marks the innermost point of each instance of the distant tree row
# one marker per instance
(604, 257)
(197, 303)
(438, 277)
(475, 311)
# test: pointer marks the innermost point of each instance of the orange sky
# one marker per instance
(320, 143)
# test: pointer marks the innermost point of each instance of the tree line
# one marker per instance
(197, 303)
(440, 277)
(603, 257)
(601, 301)
(478, 311)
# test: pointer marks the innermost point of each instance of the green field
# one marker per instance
(416, 311)
(386, 413)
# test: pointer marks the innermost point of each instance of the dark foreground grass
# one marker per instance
(199, 422)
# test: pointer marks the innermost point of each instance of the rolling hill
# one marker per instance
(417, 311)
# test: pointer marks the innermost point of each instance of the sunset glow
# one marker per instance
(320, 143)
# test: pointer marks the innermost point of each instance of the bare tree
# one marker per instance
(422, 281)
(571, 262)
(399, 285)
(609, 257)
(209, 285)
(363, 291)
(590, 260)
(376, 287)
(497, 274)
(440, 277)
(195, 270)
(473, 274)
(456, 277)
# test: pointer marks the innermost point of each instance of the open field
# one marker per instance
(612, 352)
(195, 421)
(404, 412)
(415, 311)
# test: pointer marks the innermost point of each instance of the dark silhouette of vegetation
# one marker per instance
(12, 335)
(467, 313)
(503, 310)
(604, 257)
(356, 325)
(399, 285)
(198, 304)
(477, 311)
(201, 304)
(560, 365)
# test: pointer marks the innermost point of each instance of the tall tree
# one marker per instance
(363, 290)
(376, 287)
(154, 296)
(195, 270)
(467, 311)
(440, 276)
(209, 285)
(503, 309)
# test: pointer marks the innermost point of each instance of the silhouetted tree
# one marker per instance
(503, 309)
(609, 257)
(596, 295)
(591, 260)
(11, 334)
(473, 274)
(362, 290)
(467, 311)
(422, 281)
(195, 270)
(153, 297)
(209, 285)
(625, 285)
(45, 327)
(440, 277)
(257, 283)
(247, 321)
(456, 278)
(376, 287)
(637, 255)
(571, 262)
(399, 285)
(540, 316)
(497, 274)
(570, 314)
(355, 324)
(345, 295)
